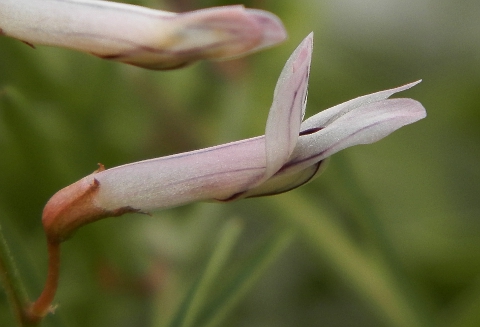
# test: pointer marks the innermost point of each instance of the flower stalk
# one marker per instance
(43, 305)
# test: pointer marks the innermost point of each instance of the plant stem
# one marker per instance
(228, 239)
(370, 276)
(12, 283)
(43, 305)
(246, 277)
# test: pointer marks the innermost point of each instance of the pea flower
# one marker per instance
(290, 154)
(141, 36)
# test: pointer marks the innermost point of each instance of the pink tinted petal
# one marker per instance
(286, 113)
(271, 28)
(140, 36)
(325, 117)
(226, 32)
(216, 173)
(283, 182)
(366, 124)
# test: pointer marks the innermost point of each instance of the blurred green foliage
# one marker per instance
(389, 235)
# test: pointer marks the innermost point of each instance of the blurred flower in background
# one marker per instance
(140, 36)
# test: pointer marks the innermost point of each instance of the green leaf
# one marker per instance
(198, 294)
(245, 278)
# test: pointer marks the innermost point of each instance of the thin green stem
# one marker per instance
(247, 277)
(368, 275)
(228, 238)
(12, 283)
(193, 303)
(364, 212)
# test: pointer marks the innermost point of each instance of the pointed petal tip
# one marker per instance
(307, 42)
(302, 54)
(410, 85)
(304, 51)
(309, 38)
(288, 108)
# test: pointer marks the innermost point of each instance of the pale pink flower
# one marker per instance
(290, 154)
(141, 36)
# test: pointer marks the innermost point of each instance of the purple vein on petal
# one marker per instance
(286, 113)
(366, 124)
(325, 117)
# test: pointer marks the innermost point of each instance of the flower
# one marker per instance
(290, 154)
(141, 36)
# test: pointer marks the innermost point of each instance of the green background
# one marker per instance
(389, 235)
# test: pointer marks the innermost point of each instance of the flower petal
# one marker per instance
(140, 36)
(368, 123)
(283, 182)
(324, 118)
(271, 30)
(216, 173)
(288, 108)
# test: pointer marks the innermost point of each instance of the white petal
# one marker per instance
(140, 36)
(286, 113)
(324, 118)
(216, 173)
(283, 182)
(271, 29)
(366, 124)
